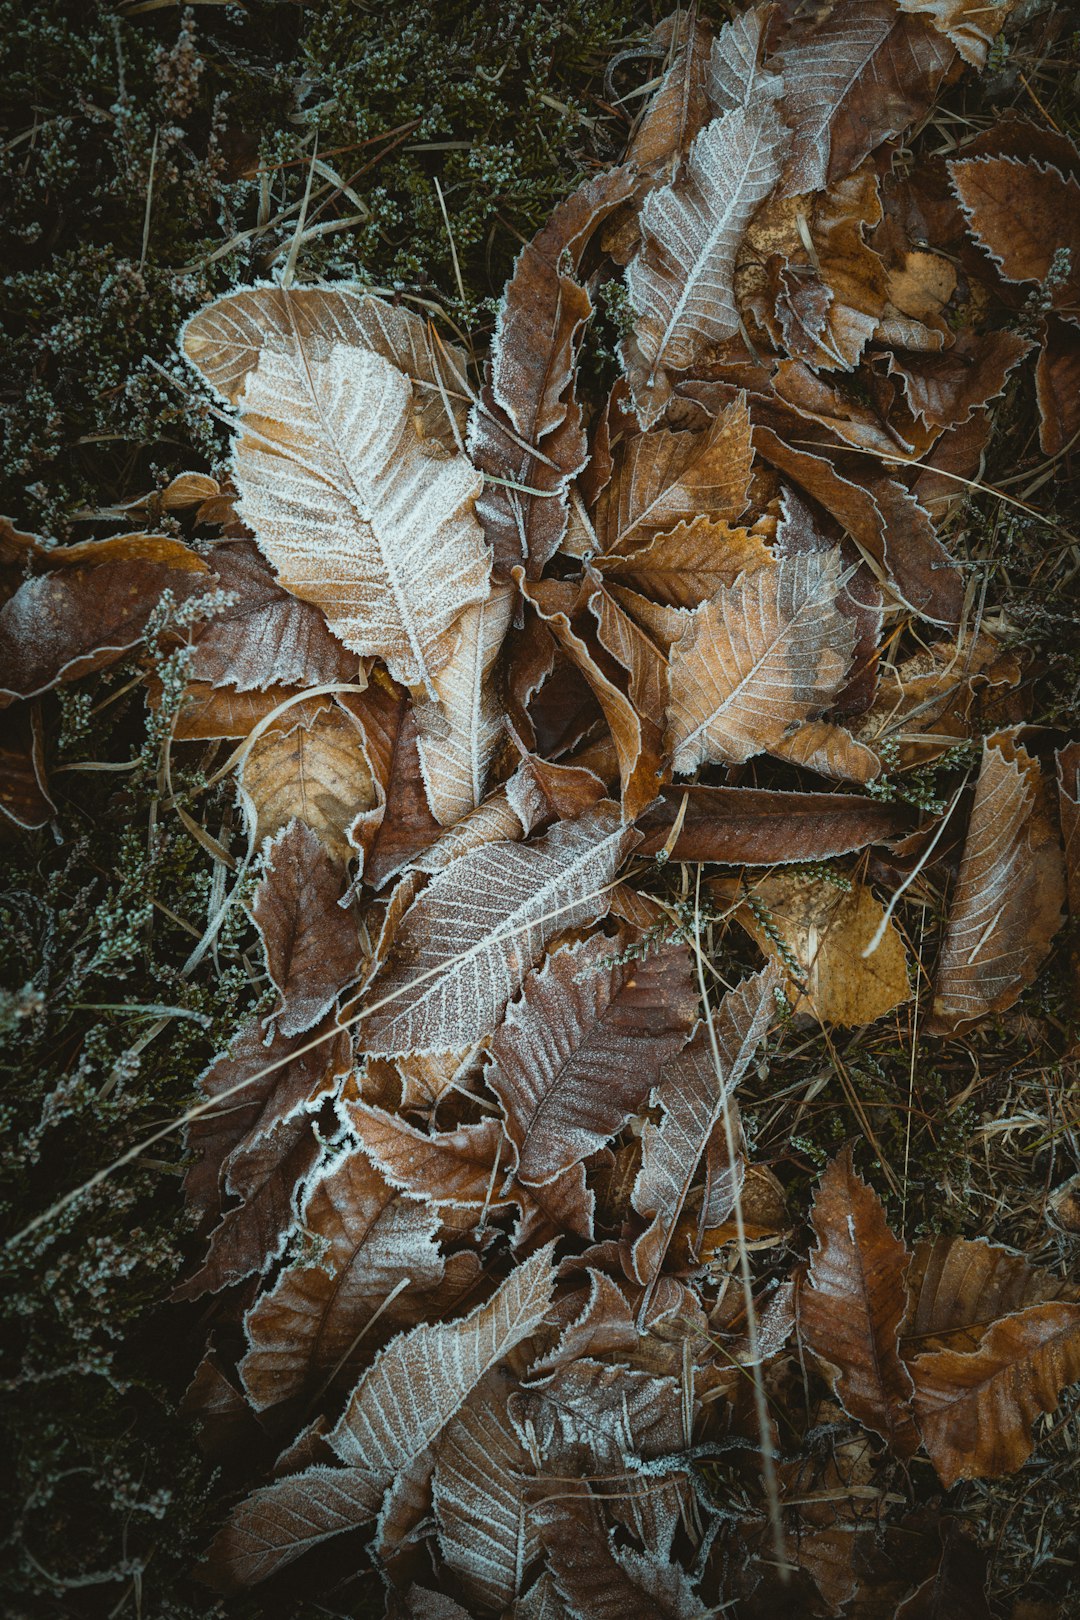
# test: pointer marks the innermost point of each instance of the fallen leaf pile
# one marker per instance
(483, 655)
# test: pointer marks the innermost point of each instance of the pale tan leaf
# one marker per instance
(761, 655)
(315, 772)
(355, 511)
(975, 1410)
(1007, 903)
(686, 565)
(581, 1048)
(302, 1332)
(225, 341)
(423, 1378)
(466, 943)
(680, 282)
(851, 1304)
(664, 478)
(458, 732)
(818, 931)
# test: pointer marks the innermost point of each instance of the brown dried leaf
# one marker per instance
(306, 1330)
(421, 1381)
(822, 930)
(90, 609)
(356, 511)
(693, 1097)
(267, 637)
(458, 732)
(581, 1048)
(465, 945)
(689, 563)
(763, 654)
(851, 80)
(1007, 903)
(851, 1304)
(1057, 386)
(598, 1581)
(664, 478)
(525, 428)
(313, 951)
(958, 1288)
(311, 767)
(283, 1521)
(756, 827)
(482, 1470)
(24, 790)
(1026, 216)
(975, 1409)
(945, 390)
(680, 281)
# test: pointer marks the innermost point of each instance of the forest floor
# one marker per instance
(153, 156)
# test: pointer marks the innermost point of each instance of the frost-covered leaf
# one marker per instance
(766, 652)
(371, 1240)
(692, 1096)
(482, 1470)
(266, 637)
(663, 478)
(1026, 216)
(466, 943)
(689, 563)
(851, 80)
(525, 430)
(357, 513)
(283, 1521)
(598, 1581)
(420, 1382)
(312, 947)
(852, 1302)
(680, 282)
(1007, 903)
(971, 25)
(458, 732)
(225, 341)
(580, 1050)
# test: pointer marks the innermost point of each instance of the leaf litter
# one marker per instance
(501, 656)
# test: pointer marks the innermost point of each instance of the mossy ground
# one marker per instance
(153, 156)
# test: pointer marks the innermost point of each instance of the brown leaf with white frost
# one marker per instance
(693, 1097)
(225, 340)
(375, 1247)
(459, 729)
(356, 511)
(465, 945)
(762, 655)
(1006, 907)
(582, 1047)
